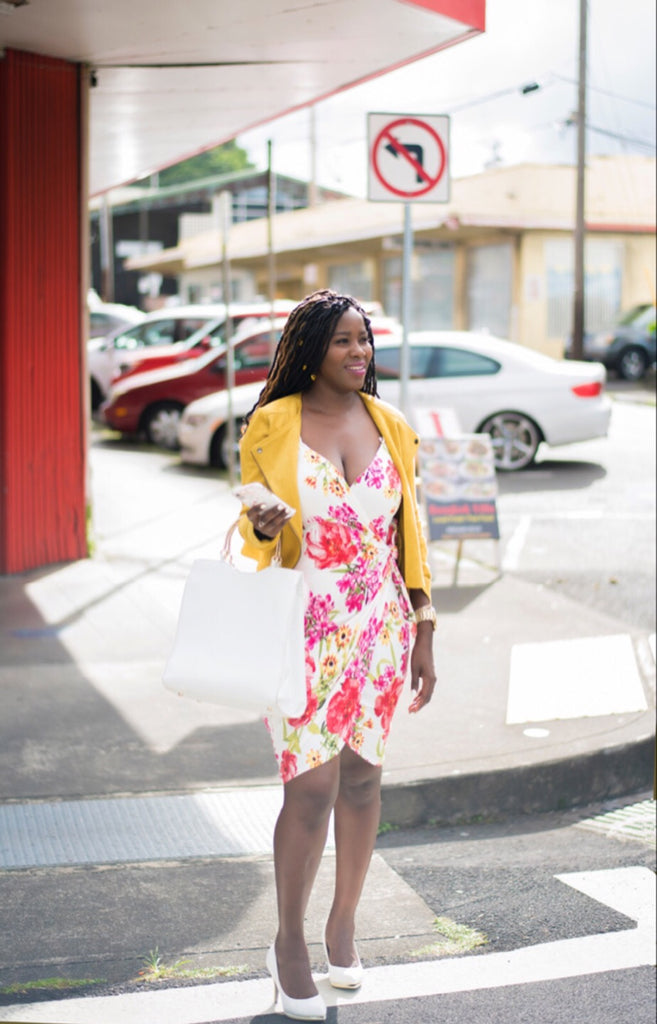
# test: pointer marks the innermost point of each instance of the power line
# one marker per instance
(606, 92)
(572, 120)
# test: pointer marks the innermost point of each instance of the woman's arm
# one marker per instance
(423, 673)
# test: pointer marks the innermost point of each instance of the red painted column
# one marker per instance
(42, 436)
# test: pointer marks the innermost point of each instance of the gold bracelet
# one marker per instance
(427, 613)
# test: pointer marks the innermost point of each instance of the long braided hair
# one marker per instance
(303, 345)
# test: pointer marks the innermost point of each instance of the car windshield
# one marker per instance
(639, 316)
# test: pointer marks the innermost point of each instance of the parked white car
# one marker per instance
(520, 397)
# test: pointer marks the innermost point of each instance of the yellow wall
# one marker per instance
(640, 270)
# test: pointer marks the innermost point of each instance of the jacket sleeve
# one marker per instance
(261, 550)
(424, 582)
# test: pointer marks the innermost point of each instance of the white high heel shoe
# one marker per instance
(343, 977)
(313, 1008)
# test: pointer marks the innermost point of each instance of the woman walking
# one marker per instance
(321, 440)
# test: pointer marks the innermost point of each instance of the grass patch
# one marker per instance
(386, 826)
(155, 969)
(49, 984)
(454, 939)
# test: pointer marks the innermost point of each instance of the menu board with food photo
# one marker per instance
(459, 487)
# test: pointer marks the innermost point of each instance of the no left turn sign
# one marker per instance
(408, 158)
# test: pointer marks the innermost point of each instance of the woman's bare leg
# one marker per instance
(357, 812)
(299, 839)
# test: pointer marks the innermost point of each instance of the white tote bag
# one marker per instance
(239, 640)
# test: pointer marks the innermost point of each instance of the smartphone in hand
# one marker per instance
(258, 494)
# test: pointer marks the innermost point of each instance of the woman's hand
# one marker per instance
(268, 522)
(423, 673)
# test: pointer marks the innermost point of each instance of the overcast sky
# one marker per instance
(525, 41)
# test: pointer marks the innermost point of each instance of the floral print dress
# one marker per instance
(359, 623)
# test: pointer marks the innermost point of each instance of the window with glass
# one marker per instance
(432, 287)
(602, 284)
(489, 288)
(434, 361)
(254, 353)
(352, 279)
(154, 332)
(421, 362)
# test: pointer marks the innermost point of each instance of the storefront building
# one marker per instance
(498, 257)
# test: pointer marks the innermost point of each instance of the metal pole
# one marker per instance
(227, 209)
(105, 228)
(271, 259)
(312, 186)
(577, 348)
(405, 354)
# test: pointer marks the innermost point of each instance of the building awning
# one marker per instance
(170, 80)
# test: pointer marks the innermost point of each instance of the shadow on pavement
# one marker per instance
(60, 737)
(551, 475)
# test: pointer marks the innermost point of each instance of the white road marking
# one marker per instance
(630, 891)
(513, 550)
(578, 678)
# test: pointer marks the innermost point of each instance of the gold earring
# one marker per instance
(313, 376)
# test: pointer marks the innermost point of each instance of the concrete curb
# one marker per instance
(529, 789)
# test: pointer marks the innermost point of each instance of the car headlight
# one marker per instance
(195, 419)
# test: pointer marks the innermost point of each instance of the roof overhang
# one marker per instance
(172, 79)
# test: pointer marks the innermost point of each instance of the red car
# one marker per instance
(211, 335)
(152, 401)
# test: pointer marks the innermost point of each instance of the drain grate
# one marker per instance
(228, 823)
(636, 821)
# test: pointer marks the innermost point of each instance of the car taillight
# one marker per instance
(588, 390)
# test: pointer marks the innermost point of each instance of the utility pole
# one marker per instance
(271, 257)
(225, 211)
(312, 186)
(577, 347)
(406, 311)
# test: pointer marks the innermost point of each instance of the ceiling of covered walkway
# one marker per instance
(174, 78)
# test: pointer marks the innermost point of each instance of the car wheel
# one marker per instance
(160, 424)
(632, 364)
(219, 448)
(515, 440)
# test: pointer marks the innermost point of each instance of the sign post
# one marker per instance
(408, 162)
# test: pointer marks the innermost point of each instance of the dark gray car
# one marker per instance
(628, 347)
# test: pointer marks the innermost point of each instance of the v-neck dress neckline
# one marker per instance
(332, 464)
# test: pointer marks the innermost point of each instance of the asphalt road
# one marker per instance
(582, 519)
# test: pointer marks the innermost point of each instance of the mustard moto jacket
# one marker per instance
(269, 451)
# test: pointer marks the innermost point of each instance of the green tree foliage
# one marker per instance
(226, 159)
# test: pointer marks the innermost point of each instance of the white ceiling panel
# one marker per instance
(175, 78)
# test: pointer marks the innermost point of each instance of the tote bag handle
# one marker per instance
(226, 552)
